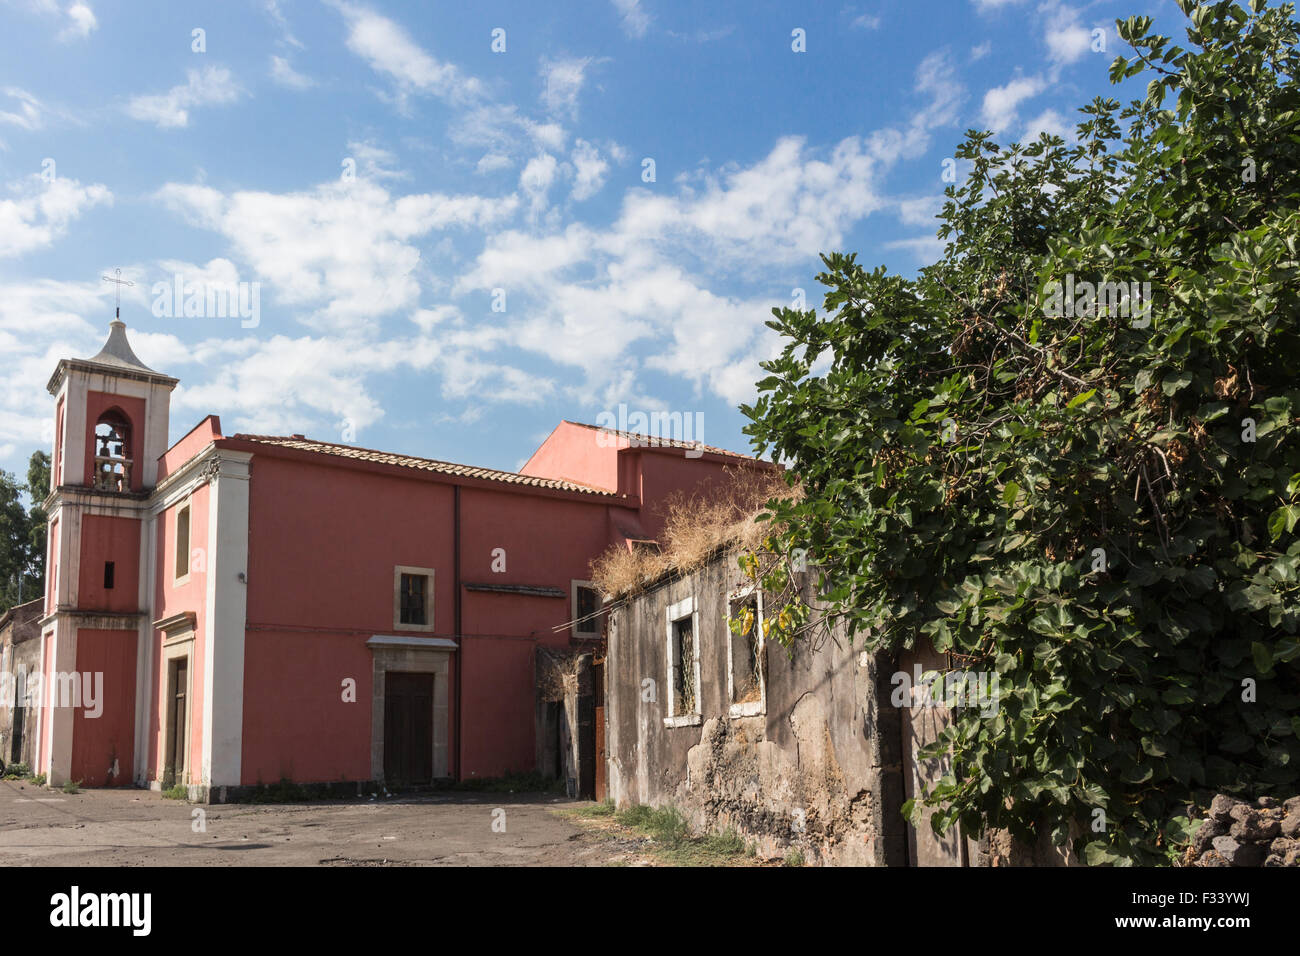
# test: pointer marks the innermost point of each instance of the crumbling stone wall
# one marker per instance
(818, 772)
(1236, 832)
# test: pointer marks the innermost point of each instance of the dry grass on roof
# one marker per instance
(695, 527)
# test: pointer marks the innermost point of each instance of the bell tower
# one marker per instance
(111, 417)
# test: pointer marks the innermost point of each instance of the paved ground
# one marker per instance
(40, 827)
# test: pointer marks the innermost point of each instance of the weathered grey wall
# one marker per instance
(20, 649)
(819, 771)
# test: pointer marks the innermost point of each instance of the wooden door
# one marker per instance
(408, 729)
(176, 729)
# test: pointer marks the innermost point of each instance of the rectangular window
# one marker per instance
(587, 619)
(183, 543)
(683, 679)
(746, 691)
(413, 598)
(109, 568)
(412, 609)
(683, 664)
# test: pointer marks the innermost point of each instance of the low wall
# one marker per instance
(1240, 833)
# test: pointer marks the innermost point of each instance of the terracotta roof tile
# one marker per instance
(422, 464)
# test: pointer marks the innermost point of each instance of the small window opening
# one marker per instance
(413, 603)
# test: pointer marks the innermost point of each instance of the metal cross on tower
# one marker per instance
(118, 291)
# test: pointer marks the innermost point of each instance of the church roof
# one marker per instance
(116, 357)
(117, 350)
(301, 443)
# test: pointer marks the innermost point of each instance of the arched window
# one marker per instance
(112, 447)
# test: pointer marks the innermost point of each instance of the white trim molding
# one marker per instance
(226, 618)
(428, 575)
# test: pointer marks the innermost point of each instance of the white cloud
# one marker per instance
(389, 50)
(1067, 39)
(25, 113)
(210, 85)
(345, 250)
(41, 321)
(865, 21)
(633, 17)
(536, 180)
(284, 74)
(562, 82)
(42, 211)
(641, 294)
(503, 130)
(491, 162)
(920, 211)
(590, 169)
(926, 248)
(81, 22)
(272, 8)
(1002, 102)
(1048, 121)
(375, 162)
(980, 51)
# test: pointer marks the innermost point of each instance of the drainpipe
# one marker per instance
(460, 638)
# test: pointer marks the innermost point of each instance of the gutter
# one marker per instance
(456, 626)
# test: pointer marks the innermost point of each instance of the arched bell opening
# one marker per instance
(112, 451)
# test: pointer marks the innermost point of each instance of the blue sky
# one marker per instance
(384, 177)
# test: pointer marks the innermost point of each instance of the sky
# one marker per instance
(445, 227)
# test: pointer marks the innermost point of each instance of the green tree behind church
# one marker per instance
(22, 533)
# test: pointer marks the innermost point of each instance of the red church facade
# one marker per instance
(255, 609)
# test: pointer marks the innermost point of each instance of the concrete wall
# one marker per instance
(816, 770)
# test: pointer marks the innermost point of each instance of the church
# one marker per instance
(254, 609)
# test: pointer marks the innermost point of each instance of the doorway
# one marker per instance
(408, 729)
(174, 749)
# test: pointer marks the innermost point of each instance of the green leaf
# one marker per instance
(1009, 492)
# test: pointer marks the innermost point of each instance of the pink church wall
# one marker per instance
(104, 744)
(571, 452)
(296, 724)
(322, 551)
(663, 471)
(325, 541)
(171, 599)
(198, 438)
(103, 539)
